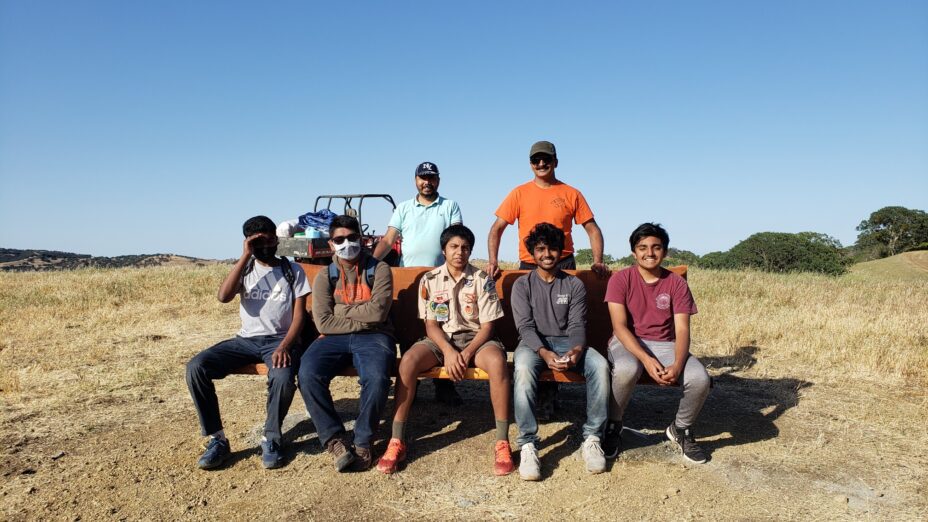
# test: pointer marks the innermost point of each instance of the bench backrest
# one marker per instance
(410, 328)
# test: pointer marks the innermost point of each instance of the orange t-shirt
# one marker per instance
(558, 204)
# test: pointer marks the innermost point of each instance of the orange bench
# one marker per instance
(410, 328)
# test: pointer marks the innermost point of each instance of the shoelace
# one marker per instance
(393, 450)
(503, 452)
(591, 445)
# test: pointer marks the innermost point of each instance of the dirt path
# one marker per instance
(781, 448)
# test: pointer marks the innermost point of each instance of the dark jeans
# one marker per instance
(372, 355)
(220, 360)
(568, 263)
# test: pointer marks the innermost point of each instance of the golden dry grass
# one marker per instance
(818, 382)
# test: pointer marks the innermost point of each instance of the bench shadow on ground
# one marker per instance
(739, 410)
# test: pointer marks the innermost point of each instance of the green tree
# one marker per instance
(784, 252)
(717, 260)
(584, 256)
(676, 257)
(893, 230)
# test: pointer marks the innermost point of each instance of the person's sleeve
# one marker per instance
(377, 309)
(616, 289)
(488, 305)
(576, 316)
(583, 213)
(683, 302)
(301, 284)
(456, 217)
(508, 210)
(396, 220)
(323, 309)
(522, 314)
(424, 311)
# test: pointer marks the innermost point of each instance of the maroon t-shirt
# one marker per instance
(650, 306)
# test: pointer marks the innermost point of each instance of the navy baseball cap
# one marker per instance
(427, 169)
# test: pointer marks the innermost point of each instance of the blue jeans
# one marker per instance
(222, 359)
(373, 355)
(528, 364)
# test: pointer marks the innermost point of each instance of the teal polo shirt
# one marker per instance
(421, 226)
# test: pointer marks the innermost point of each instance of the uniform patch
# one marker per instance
(490, 286)
(468, 283)
(440, 310)
(425, 292)
(469, 310)
(441, 297)
(663, 301)
(469, 298)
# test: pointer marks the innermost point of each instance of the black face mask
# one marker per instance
(265, 254)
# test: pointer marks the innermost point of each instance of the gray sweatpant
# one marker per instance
(626, 369)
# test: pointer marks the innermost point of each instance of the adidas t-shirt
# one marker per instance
(265, 300)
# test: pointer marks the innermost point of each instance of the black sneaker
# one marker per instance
(612, 442)
(270, 455)
(683, 437)
(217, 451)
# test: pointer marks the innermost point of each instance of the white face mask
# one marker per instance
(348, 250)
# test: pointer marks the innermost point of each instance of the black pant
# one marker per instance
(222, 359)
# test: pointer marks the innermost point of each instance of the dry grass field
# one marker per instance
(818, 412)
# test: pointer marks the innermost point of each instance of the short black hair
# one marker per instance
(344, 222)
(258, 225)
(456, 230)
(544, 234)
(649, 230)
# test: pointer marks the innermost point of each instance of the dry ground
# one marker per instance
(818, 412)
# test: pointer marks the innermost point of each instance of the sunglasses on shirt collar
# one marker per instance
(341, 239)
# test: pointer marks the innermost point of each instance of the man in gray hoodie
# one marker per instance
(549, 310)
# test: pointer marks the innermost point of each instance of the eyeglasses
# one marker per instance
(341, 239)
(538, 158)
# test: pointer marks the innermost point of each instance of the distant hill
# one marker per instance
(908, 266)
(14, 260)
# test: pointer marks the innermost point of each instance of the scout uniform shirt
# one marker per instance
(461, 305)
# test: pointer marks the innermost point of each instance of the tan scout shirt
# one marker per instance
(458, 305)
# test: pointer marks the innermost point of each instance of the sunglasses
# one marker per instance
(538, 158)
(341, 239)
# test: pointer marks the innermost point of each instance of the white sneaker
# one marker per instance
(529, 466)
(593, 455)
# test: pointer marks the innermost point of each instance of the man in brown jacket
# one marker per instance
(351, 308)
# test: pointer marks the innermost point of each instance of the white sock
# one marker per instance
(221, 435)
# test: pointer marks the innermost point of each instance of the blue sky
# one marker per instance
(142, 127)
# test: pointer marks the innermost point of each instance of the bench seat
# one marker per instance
(409, 328)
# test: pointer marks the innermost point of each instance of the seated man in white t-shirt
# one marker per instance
(273, 299)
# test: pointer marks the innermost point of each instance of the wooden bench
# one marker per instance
(410, 328)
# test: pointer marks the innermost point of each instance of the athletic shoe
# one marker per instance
(270, 455)
(686, 441)
(363, 459)
(529, 466)
(593, 455)
(342, 456)
(217, 451)
(396, 453)
(612, 442)
(503, 458)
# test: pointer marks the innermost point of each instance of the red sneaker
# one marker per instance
(503, 464)
(396, 453)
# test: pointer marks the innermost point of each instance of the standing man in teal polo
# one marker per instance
(420, 222)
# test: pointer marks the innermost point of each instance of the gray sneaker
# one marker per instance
(529, 465)
(593, 455)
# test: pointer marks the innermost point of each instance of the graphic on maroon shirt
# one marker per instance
(650, 307)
